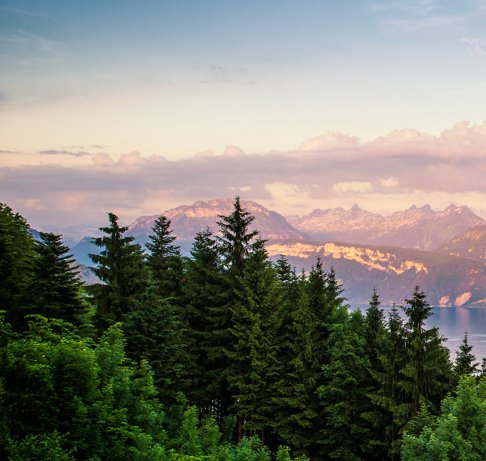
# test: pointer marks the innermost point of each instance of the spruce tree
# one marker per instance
(120, 268)
(465, 360)
(392, 353)
(236, 238)
(56, 288)
(347, 435)
(299, 416)
(16, 261)
(164, 260)
(256, 319)
(427, 373)
(374, 333)
(236, 244)
(203, 303)
(153, 332)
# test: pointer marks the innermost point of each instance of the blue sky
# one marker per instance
(173, 78)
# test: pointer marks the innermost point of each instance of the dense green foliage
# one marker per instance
(221, 355)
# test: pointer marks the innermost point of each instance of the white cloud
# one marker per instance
(390, 182)
(352, 186)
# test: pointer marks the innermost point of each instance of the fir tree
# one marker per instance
(203, 303)
(236, 238)
(164, 259)
(253, 352)
(392, 353)
(465, 361)
(120, 268)
(299, 417)
(235, 246)
(56, 288)
(346, 434)
(16, 261)
(427, 373)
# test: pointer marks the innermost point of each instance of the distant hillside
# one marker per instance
(470, 243)
(420, 228)
(82, 250)
(87, 276)
(394, 271)
(187, 220)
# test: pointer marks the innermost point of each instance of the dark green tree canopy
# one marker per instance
(56, 288)
(235, 241)
(120, 268)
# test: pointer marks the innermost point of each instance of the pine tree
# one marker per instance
(153, 332)
(374, 333)
(120, 268)
(375, 326)
(392, 353)
(236, 244)
(16, 261)
(299, 416)
(427, 373)
(56, 289)
(346, 434)
(202, 294)
(465, 361)
(236, 238)
(256, 319)
(164, 260)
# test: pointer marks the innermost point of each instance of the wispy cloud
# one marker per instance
(26, 48)
(420, 15)
(420, 6)
(475, 45)
(10, 152)
(64, 152)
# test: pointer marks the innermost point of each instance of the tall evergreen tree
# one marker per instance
(299, 416)
(346, 434)
(164, 260)
(465, 360)
(392, 353)
(16, 261)
(375, 326)
(56, 289)
(236, 238)
(236, 244)
(427, 373)
(120, 268)
(374, 334)
(203, 303)
(154, 333)
(256, 319)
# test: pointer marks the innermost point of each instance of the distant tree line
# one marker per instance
(222, 355)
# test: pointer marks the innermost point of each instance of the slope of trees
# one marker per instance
(222, 355)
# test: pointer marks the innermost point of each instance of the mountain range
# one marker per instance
(366, 250)
(420, 228)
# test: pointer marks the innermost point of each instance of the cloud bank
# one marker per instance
(387, 174)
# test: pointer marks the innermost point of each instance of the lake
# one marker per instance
(452, 322)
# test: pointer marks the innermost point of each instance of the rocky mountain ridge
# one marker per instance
(187, 220)
(394, 271)
(470, 243)
(420, 228)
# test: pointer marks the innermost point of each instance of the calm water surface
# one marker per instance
(452, 322)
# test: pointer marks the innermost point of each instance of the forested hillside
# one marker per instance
(222, 355)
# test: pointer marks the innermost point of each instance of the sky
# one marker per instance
(138, 107)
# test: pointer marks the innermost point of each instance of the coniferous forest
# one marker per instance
(222, 355)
